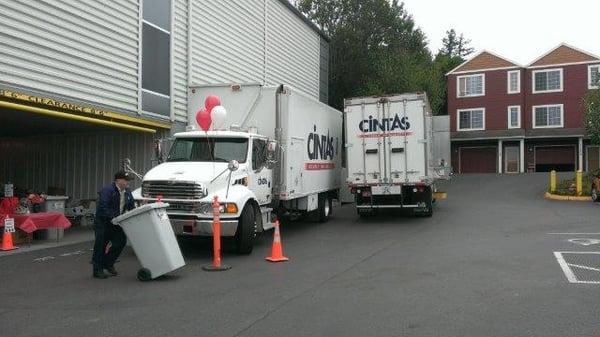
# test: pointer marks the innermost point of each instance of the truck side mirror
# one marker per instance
(233, 165)
(158, 151)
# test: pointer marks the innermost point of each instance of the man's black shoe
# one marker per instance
(100, 274)
(112, 270)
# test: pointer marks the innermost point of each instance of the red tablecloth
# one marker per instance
(30, 223)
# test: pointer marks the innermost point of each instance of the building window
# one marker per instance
(548, 116)
(471, 119)
(514, 82)
(514, 117)
(470, 85)
(156, 57)
(594, 77)
(547, 81)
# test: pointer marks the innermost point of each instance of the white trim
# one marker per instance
(157, 27)
(140, 49)
(516, 65)
(508, 73)
(484, 70)
(563, 44)
(458, 111)
(590, 67)
(518, 118)
(562, 80)
(156, 93)
(458, 78)
(562, 64)
(155, 115)
(562, 116)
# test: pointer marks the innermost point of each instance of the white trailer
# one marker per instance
(279, 153)
(390, 153)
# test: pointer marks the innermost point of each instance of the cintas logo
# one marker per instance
(321, 146)
(385, 124)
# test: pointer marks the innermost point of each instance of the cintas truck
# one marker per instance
(278, 153)
(394, 156)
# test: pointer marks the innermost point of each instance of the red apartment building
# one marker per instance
(509, 118)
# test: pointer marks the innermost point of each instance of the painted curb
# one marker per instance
(551, 196)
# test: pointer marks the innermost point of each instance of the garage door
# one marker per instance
(477, 159)
(559, 158)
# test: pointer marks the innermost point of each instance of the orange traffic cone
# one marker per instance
(7, 240)
(277, 250)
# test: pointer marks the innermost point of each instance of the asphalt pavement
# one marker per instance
(483, 265)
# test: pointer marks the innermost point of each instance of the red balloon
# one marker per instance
(203, 119)
(211, 102)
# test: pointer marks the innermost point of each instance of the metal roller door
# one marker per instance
(559, 158)
(477, 159)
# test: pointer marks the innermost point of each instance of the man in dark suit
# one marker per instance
(114, 200)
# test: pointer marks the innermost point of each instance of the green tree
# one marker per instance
(373, 44)
(454, 45)
(592, 115)
(376, 49)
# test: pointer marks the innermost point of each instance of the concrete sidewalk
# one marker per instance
(72, 236)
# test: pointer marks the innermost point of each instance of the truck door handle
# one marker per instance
(397, 150)
(371, 151)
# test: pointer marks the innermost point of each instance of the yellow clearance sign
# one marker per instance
(78, 108)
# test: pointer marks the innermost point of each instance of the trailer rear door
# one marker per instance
(386, 141)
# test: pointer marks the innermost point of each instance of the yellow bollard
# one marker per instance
(552, 181)
(579, 182)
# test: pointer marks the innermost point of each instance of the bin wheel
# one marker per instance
(144, 275)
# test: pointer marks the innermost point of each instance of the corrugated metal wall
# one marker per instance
(324, 73)
(86, 50)
(80, 163)
(254, 41)
(293, 50)
(228, 41)
(180, 54)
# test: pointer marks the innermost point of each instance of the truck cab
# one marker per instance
(235, 166)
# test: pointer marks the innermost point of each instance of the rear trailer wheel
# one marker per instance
(325, 207)
(246, 231)
(428, 210)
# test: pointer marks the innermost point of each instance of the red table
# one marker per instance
(30, 223)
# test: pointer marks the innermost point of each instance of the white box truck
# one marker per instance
(278, 153)
(390, 153)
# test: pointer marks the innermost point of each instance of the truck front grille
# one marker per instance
(172, 190)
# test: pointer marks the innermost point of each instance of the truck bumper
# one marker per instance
(203, 227)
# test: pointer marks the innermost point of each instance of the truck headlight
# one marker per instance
(229, 208)
(224, 208)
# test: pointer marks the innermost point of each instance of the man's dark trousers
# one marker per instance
(107, 232)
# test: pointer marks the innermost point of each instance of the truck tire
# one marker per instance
(246, 231)
(428, 211)
(325, 207)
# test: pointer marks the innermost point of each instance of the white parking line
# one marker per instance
(566, 267)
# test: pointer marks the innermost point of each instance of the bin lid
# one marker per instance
(139, 210)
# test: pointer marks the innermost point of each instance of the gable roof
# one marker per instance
(484, 60)
(564, 54)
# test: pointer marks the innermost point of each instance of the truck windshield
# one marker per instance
(209, 149)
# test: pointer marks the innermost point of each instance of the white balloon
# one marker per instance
(218, 116)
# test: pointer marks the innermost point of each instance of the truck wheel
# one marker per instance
(325, 207)
(428, 211)
(245, 233)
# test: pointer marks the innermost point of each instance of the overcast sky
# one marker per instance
(520, 30)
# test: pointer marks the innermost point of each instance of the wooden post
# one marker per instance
(579, 182)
